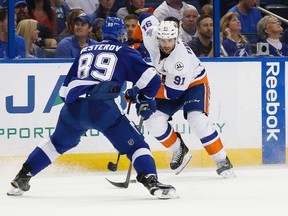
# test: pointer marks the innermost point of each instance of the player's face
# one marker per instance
(167, 45)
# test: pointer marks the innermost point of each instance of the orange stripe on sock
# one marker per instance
(214, 147)
(170, 141)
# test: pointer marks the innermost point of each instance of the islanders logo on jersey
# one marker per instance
(179, 66)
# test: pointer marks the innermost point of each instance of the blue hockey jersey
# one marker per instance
(108, 61)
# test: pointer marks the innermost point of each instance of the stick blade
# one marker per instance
(119, 184)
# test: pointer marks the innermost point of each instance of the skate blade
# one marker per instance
(228, 174)
(169, 193)
(185, 161)
(15, 191)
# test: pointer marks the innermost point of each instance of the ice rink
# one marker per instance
(256, 191)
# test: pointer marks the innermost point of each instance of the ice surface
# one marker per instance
(256, 191)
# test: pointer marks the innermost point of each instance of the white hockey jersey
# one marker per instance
(181, 69)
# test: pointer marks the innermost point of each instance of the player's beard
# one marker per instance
(168, 53)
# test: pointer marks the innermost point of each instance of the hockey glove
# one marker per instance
(131, 94)
(145, 106)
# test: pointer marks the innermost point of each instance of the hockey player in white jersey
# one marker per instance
(184, 85)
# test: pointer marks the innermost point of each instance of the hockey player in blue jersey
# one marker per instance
(90, 93)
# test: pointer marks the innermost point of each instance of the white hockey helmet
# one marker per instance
(167, 30)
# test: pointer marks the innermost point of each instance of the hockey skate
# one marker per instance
(156, 188)
(21, 182)
(181, 157)
(225, 169)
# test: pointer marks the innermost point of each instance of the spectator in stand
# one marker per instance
(69, 47)
(62, 11)
(89, 6)
(21, 10)
(19, 42)
(130, 22)
(202, 45)
(234, 43)
(27, 28)
(46, 38)
(174, 8)
(249, 15)
(104, 10)
(69, 29)
(270, 30)
(207, 9)
(188, 29)
(137, 44)
(42, 11)
(132, 7)
(97, 29)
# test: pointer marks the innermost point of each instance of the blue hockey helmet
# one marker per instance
(113, 28)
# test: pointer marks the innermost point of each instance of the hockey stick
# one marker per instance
(111, 166)
(125, 184)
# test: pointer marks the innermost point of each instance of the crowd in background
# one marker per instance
(64, 27)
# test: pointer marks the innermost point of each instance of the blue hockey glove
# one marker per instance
(131, 94)
(145, 107)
